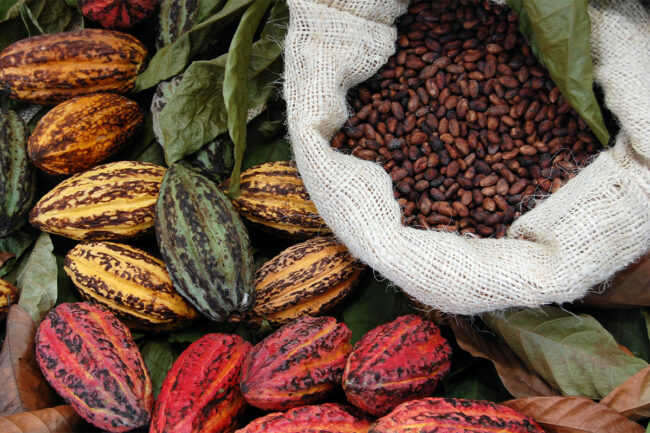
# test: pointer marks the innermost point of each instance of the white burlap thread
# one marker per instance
(580, 236)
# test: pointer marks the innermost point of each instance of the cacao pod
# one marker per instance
(49, 69)
(131, 283)
(201, 393)
(109, 202)
(8, 296)
(82, 132)
(323, 418)
(204, 244)
(395, 362)
(175, 17)
(451, 415)
(305, 279)
(90, 360)
(296, 365)
(274, 197)
(117, 14)
(17, 175)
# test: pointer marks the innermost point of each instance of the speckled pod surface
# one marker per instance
(8, 295)
(117, 14)
(90, 359)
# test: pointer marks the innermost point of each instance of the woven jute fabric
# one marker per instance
(595, 225)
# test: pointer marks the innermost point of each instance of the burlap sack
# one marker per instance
(594, 226)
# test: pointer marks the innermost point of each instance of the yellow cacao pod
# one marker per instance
(273, 196)
(306, 279)
(51, 68)
(8, 295)
(82, 132)
(130, 282)
(109, 202)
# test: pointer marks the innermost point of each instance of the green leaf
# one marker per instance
(476, 381)
(37, 280)
(30, 21)
(260, 152)
(628, 327)
(173, 58)
(196, 114)
(207, 8)
(158, 358)
(66, 291)
(235, 84)
(16, 242)
(573, 353)
(558, 32)
(145, 148)
(371, 304)
(646, 316)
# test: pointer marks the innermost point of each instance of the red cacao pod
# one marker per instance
(451, 415)
(398, 361)
(201, 393)
(90, 359)
(117, 14)
(324, 418)
(296, 365)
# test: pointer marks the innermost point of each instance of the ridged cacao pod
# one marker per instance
(90, 359)
(117, 14)
(201, 392)
(305, 279)
(296, 365)
(51, 68)
(17, 175)
(131, 283)
(323, 418)
(8, 296)
(175, 17)
(204, 244)
(83, 132)
(109, 202)
(274, 197)
(451, 415)
(395, 362)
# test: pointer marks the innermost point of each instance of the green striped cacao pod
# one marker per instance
(454, 415)
(323, 418)
(200, 393)
(395, 362)
(17, 175)
(204, 244)
(175, 17)
(90, 359)
(298, 364)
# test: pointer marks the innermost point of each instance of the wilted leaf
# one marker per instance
(573, 353)
(16, 243)
(5, 256)
(628, 328)
(158, 358)
(573, 415)
(518, 379)
(558, 32)
(37, 280)
(59, 419)
(629, 288)
(632, 397)
(23, 386)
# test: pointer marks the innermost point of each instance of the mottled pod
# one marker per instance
(117, 14)
(8, 296)
(90, 360)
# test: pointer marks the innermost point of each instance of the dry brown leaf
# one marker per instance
(59, 419)
(23, 387)
(518, 379)
(632, 397)
(5, 256)
(574, 415)
(629, 288)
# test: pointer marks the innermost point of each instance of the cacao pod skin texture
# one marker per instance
(204, 244)
(305, 279)
(201, 392)
(175, 17)
(8, 295)
(90, 359)
(296, 365)
(451, 415)
(17, 174)
(52, 68)
(274, 198)
(323, 418)
(395, 362)
(117, 14)
(131, 283)
(109, 202)
(83, 132)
